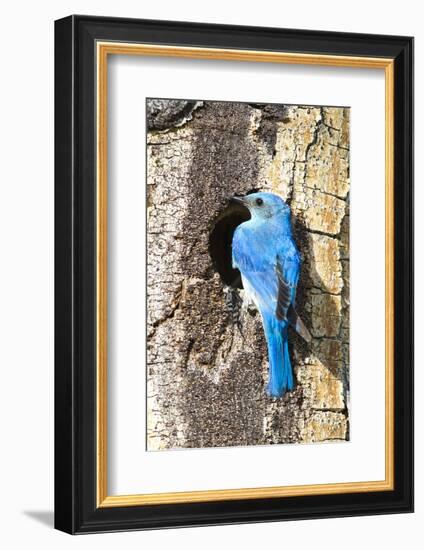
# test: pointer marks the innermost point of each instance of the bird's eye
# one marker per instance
(259, 202)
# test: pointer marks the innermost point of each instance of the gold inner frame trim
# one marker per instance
(103, 50)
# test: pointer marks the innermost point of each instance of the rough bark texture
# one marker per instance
(206, 360)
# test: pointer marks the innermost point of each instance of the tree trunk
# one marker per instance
(207, 363)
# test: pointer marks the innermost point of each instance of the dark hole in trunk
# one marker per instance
(220, 243)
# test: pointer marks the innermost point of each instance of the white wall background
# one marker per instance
(26, 277)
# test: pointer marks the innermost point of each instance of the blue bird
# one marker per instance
(264, 251)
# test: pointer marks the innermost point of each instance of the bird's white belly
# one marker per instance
(251, 295)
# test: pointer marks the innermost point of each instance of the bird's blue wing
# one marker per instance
(287, 268)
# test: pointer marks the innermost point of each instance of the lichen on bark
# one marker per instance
(206, 353)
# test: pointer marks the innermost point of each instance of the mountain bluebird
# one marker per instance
(266, 255)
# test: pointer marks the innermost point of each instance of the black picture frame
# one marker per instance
(76, 510)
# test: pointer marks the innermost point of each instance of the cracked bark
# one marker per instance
(206, 353)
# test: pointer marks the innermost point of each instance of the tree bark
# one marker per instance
(207, 362)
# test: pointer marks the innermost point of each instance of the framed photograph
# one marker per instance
(234, 274)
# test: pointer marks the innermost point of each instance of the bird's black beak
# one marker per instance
(239, 200)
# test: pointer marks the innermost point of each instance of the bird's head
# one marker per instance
(264, 205)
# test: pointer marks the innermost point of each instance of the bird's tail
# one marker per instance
(280, 369)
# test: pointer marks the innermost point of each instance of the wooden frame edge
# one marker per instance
(103, 49)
